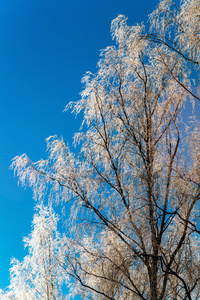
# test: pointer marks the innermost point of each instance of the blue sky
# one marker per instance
(46, 46)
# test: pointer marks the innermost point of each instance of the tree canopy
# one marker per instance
(135, 184)
(39, 275)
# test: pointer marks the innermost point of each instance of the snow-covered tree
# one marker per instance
(135, 183)
(40, 274)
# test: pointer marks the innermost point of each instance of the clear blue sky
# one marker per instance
(46, 46)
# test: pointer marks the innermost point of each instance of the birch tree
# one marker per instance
(39, 275)
(135, 184)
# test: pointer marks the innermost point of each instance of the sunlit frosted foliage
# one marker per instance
(135, 182)
(40, 274)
